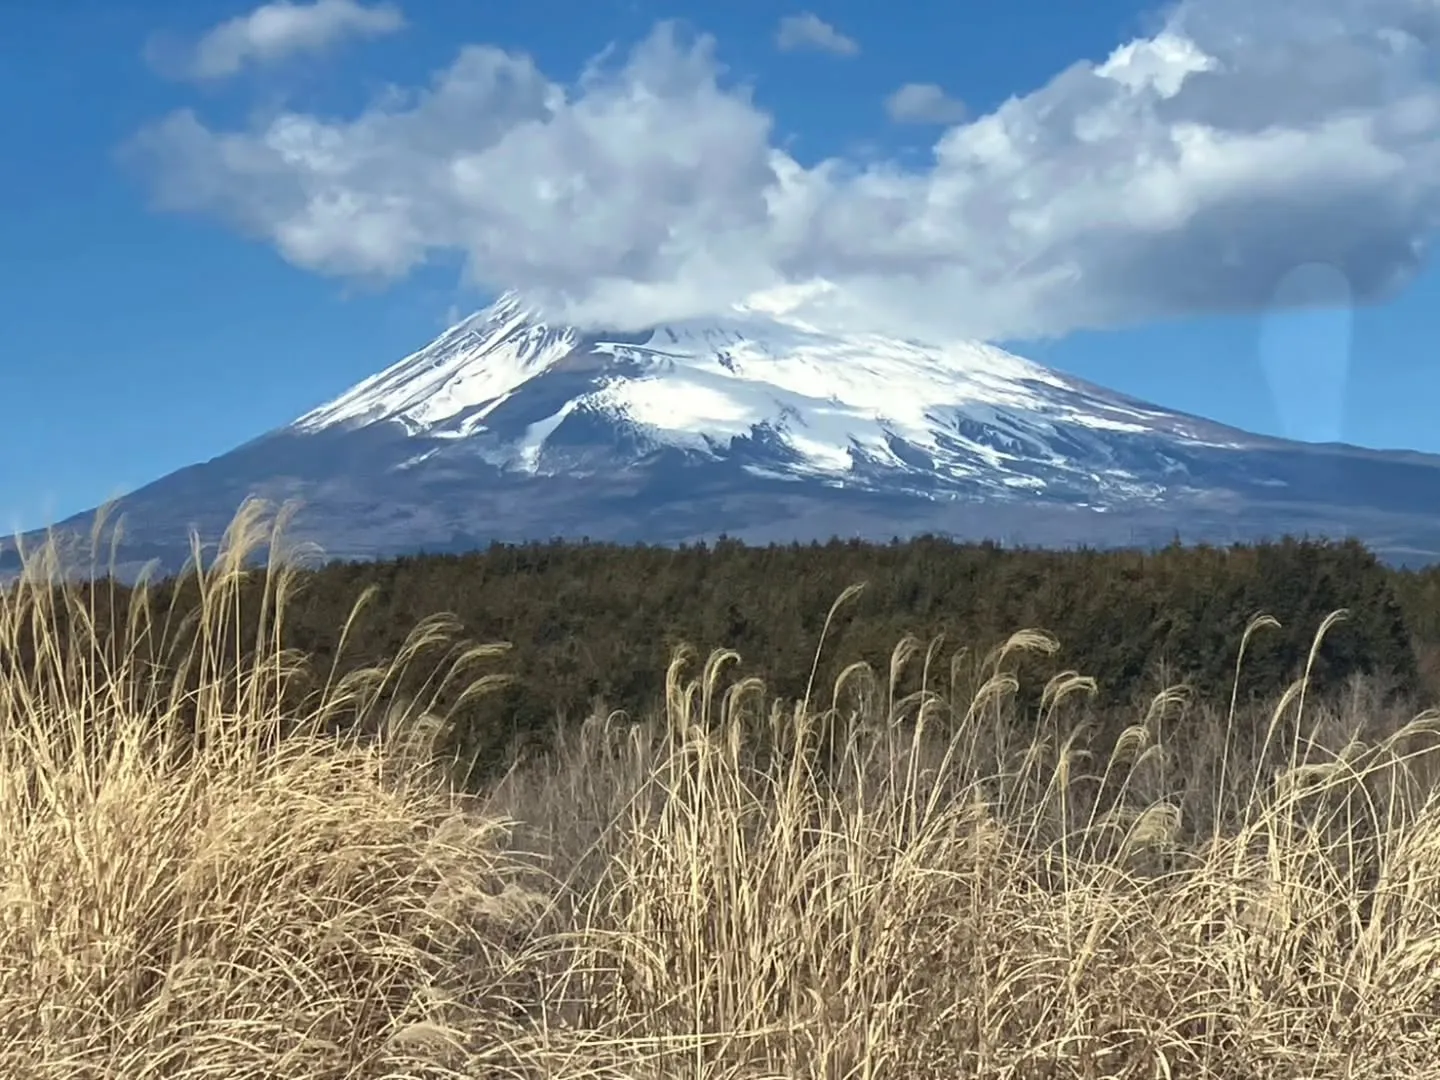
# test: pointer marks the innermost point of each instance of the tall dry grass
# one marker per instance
(199, 879)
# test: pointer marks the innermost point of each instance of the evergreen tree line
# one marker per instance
(594, 626)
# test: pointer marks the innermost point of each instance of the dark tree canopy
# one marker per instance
(595, 624)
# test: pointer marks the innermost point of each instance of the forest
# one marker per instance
(592, 628)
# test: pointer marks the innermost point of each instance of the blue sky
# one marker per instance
(216, 217)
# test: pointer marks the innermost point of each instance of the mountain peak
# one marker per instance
(480, 359)
(509, 426)
(509, 306)
(787, 397)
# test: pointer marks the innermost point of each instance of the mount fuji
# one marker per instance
(764, 428)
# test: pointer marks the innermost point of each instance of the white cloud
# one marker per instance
(1188, 173)
(278, 30)
(808, 31)
(924, 103)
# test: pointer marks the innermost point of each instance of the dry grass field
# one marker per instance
(731, 888)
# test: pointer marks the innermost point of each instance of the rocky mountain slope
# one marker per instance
(763, 428)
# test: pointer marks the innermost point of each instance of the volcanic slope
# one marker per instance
(508, 427)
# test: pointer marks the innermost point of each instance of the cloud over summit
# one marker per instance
(1187, 173)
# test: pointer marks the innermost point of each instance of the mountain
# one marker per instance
(764, 428)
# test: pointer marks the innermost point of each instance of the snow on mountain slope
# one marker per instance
(765, 429)
(477, 362)
(861, 409)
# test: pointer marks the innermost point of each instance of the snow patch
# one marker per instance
(960, 412)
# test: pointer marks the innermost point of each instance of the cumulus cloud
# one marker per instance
(1187, 173)
(924, 103)
(808, 31)
(275, 31)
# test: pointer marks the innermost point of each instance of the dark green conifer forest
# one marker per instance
(594, 627)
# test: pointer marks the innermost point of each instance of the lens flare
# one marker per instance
(1305, 351)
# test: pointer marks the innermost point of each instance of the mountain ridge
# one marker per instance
(508, 427)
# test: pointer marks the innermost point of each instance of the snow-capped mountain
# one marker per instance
(762, 427)
(779, 399)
